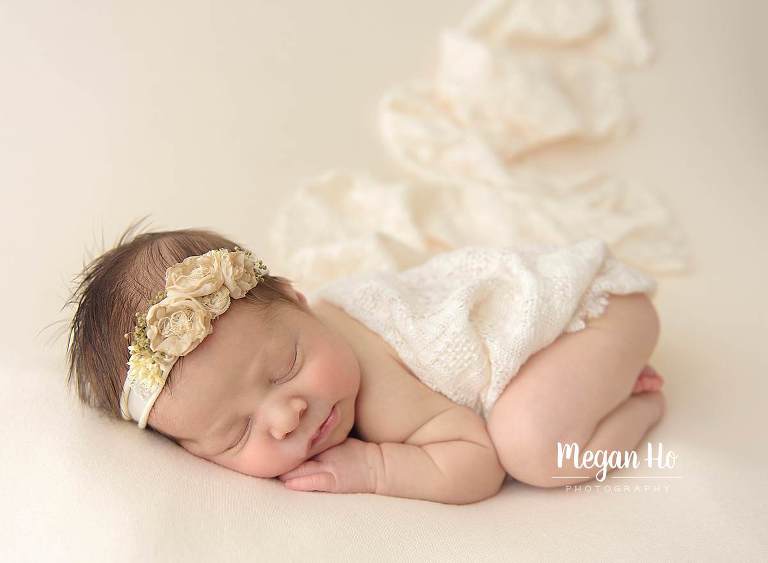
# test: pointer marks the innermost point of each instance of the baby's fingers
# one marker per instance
(306, 468)
(316, 482)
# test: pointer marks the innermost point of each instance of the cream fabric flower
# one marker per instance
(196, 276)
(216, 303)
(177, 324)
(240, 272)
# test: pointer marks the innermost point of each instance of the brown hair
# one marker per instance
(116, 285)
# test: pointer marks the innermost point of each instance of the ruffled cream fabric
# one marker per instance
(514, 78)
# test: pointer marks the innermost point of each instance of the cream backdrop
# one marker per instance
(211, 114)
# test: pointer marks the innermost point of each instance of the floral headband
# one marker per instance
(197, 290)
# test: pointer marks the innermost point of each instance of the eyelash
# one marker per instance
(295, 361)
(248, 426)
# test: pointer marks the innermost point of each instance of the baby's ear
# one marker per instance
(302, 299)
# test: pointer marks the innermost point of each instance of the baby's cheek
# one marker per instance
(264, 461)
(346, 370)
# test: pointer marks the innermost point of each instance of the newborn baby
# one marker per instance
(258, 380)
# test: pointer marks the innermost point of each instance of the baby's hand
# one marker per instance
(350, 467)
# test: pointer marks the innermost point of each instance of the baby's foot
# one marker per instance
(648, 380)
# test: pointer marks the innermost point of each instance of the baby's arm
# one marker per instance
(455, 472)
(449, 459)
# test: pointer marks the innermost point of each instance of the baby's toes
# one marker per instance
(648, 380)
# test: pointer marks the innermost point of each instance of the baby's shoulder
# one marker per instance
(387, 385)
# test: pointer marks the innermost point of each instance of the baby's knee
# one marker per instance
(537, 470)
(528, 453)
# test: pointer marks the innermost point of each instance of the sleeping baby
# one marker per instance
(432, 383)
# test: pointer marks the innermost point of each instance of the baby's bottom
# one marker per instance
(587, 387)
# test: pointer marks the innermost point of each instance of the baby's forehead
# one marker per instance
(243, 340)
(242, 344)
(267, 318)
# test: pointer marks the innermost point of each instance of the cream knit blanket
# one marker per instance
(466, 320)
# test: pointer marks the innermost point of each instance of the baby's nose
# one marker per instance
(281, 433)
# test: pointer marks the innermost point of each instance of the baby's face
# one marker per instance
(254, 392)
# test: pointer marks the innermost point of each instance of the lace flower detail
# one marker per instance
(216, 303)
(177, 325)
(195, 276)
(241, 272)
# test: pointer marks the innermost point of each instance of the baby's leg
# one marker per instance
(576, 390)
(620, 430)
